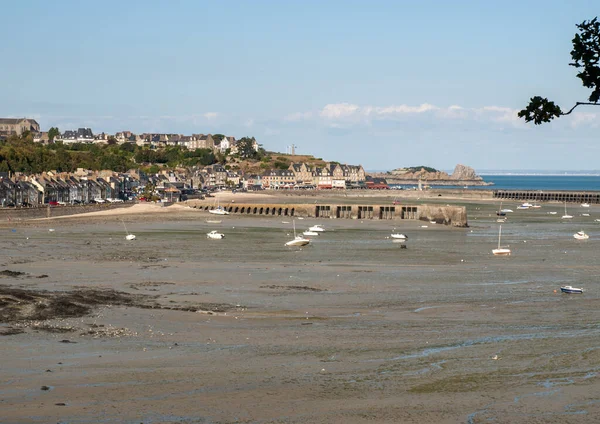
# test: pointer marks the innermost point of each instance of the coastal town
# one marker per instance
(83, 186)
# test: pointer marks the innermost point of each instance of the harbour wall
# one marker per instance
(549, 196)
(20, 214)
(455, 216)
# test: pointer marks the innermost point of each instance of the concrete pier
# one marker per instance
(448, 215)
(549, 196)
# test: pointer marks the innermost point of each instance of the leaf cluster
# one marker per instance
(586, 57)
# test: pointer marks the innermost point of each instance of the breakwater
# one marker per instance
(455, 216)
(19, 214)
(549, 196)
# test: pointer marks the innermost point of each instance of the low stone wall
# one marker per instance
(448, 215)
(16, 214)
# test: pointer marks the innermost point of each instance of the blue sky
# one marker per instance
(385, 84)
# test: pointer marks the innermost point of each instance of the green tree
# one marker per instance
(245, 147)
(585, 55)
(218, 138)
(53, 133)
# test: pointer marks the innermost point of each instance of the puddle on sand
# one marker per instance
(486, 340)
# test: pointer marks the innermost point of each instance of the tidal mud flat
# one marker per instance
(174, 327)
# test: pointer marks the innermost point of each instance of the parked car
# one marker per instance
(53, 203)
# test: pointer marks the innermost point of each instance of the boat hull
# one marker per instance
(501, 252)
(297, 242)
(571, 290)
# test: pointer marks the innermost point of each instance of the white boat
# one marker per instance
(501, 219)
(298, 240)
(570, 289)
(525, 205)
(128, 236)
(551, 213)
(585, 205)
(585, 214)
(213, 221)
(501, 251)
(535, 206)
(219, 210)
(310, 233)
(215, 235)
(566, 215)
(399, 236)
(580, 235)
(506, 210)
(316, 228)
(500, 212)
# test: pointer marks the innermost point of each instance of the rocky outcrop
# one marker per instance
(462, 175)
(465, 173)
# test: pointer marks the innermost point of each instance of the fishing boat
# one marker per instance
(501, 251)
(566, 215)
(580, 235)
(310, 233)
(215, 235)
(585, 205)
(399, 236)
(316, 228)
(571, 290)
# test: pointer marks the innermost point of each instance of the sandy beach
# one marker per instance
(176, 328)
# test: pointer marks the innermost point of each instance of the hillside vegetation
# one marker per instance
(21, 154)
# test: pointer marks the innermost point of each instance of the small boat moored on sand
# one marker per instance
(215, 235)
(310, 233)
(580, 235)
(399, 236)
(570, 289)
(501, 251)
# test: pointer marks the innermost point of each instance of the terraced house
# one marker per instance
(332, 175)
(279, 178)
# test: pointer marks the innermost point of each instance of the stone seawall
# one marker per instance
(20, 214)
(455, 216)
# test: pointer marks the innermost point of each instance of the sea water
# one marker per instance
(537, 182)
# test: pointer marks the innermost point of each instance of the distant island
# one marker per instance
(463, 175)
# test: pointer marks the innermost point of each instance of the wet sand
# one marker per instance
(350, 329)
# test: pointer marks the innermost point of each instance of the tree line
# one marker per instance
(21, 154)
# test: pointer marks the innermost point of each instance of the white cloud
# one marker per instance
(249, 122)
(344, 114)
(338, 110)
(211, 115)
(405, 109)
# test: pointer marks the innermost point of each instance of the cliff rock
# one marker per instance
(463, 172)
